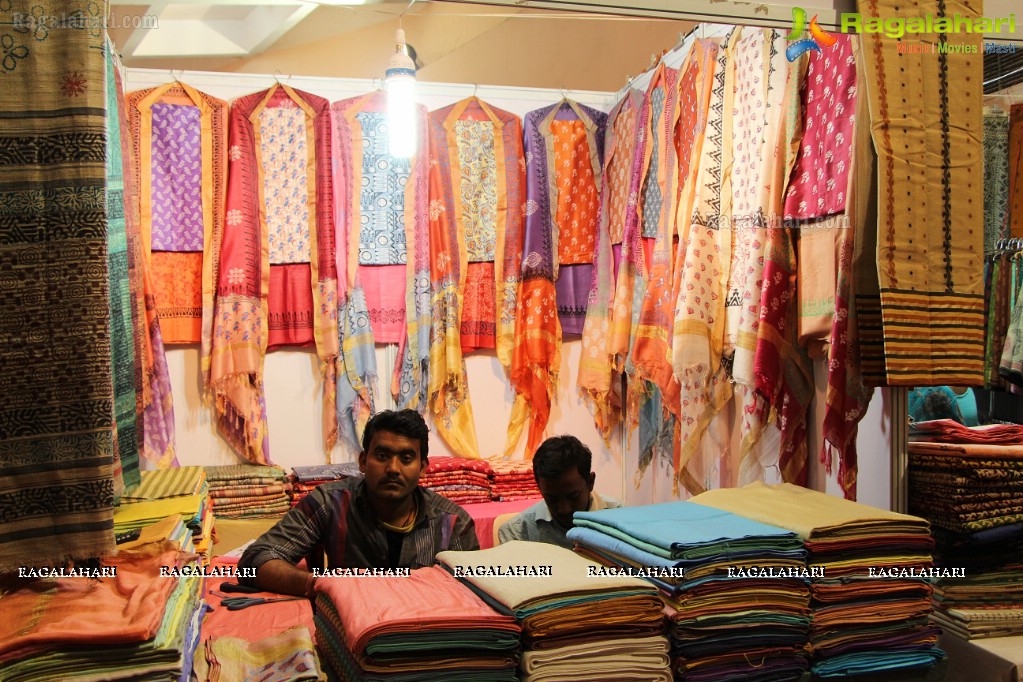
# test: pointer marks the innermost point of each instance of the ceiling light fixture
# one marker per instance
(400, 83)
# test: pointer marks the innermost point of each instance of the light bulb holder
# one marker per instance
(400, 83)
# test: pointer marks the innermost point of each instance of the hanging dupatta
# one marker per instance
(630, 284)
(996, 177)
(241, 330)
(56, 487)
(574, 137)
(782, 368)
(758, 68)
(652, 389)
(818, 186)
(157, 431)
(704, 252)
(598, 374)
(212, 133)
(1014, 191)
(122, 351)
(357, 361)
(847, 396)
(449, 214)
(930, 200)
(536, 359)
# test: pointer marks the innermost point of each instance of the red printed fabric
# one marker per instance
(440, 464)
(479, 308)
(950, 431)
(819, 179)
(506, 468)
(467, 477)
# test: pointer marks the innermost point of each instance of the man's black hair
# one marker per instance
(407, 423)
(559, 454)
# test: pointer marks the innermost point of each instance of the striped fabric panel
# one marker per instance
(926, 118)
(933, 339)
(871, 330)
(163, 483)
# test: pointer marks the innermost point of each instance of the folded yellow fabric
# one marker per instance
(811, 514)
(136, 512)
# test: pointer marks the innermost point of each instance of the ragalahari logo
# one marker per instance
(818, 37)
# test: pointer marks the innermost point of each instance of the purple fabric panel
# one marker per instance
(537, 250)
(177, 178)
(573, 290)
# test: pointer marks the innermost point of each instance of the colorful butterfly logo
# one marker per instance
(818, 37)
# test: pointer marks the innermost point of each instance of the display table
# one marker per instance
(996, 659)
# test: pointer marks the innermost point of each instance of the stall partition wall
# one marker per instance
(292, 379)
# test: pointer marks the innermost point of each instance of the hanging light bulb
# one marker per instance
(400, 82)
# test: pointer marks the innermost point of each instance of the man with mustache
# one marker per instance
(382, 520)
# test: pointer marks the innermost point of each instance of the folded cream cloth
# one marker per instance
(643, 659)
(570, 575)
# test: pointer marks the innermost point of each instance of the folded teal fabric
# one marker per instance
(683, 530)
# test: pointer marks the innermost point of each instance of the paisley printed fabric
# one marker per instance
(477, 166)
(177, 178)
(285, 183)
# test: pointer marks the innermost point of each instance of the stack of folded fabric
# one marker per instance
(983, 596)
(951, 431)
(513, 481)
(421, 628)
(739, 611)
(138, 625)
(272, 642)
(463, 481)
(248, 491)
(182, 491)
(191, 515)
(973, 494)
(870, 609)
(577, 624)
(966, 487)
(303, 480)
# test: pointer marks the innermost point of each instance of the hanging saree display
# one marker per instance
(476, 217)
(599, 373)
(996, 176)
(277, 281)
(56, 438)
(383, 245)
(652, 395)
(1015, 198)
(754, 87)
(930, 202)
(704, 252)
(180, 139)
(783, 375)
(563, 147)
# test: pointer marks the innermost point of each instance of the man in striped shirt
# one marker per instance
(381, 520)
